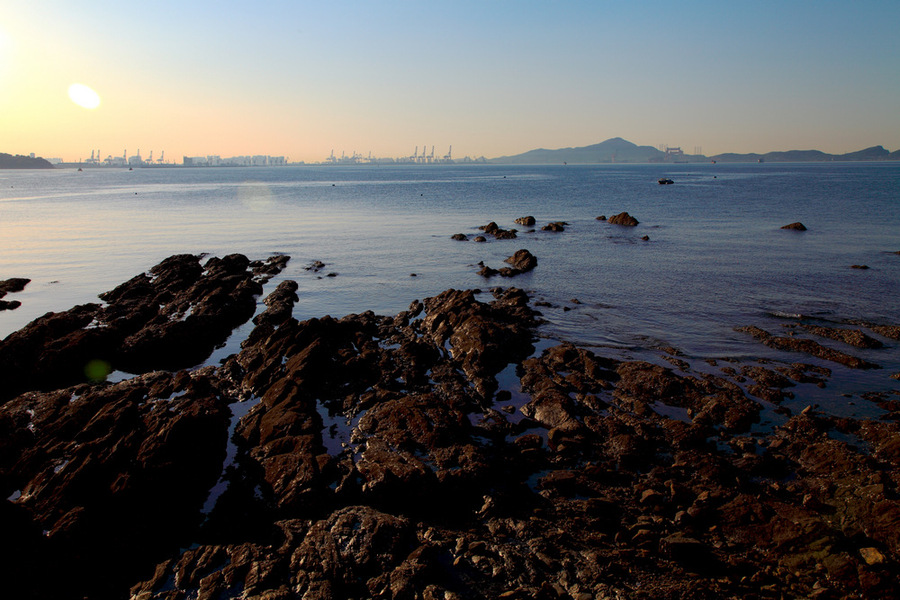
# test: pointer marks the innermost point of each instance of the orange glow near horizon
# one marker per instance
(301, 80)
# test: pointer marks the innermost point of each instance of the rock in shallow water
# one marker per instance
(623, 219)
(171, 317)
(798, 226)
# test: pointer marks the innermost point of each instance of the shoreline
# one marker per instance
(442, 451)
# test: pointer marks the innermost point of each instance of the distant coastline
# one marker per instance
(618, 150)
(612, 151)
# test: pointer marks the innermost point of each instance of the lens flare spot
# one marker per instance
(97, 370)
(84, 96)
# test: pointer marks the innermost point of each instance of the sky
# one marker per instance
(491, 78)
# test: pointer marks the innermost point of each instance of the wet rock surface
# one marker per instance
(520, 262)
(495, 230)
(812, 347)
(168, 318)
(623, 219)
(853, 337)
(435, 454)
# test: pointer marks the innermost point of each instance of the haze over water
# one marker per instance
(716, 257)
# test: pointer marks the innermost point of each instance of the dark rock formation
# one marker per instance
(798, 226)
(853, 337)
(15, 284)
(460, 237)
(171, 318)
(264, 270)
(112, 475)
(623, 219)
(487, 271)
(888, 331)
(555, 226)
(808, 346)
(526, 221)
(495, 230)
(522, 261)
(376, 457)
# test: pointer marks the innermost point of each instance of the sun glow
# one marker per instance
(84, 96)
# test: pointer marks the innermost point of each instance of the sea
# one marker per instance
(709, 254)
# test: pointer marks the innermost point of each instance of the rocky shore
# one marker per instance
(432, 454)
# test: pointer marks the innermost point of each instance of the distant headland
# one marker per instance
(8, 161)
(618, 150)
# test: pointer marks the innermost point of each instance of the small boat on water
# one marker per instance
(665, 181)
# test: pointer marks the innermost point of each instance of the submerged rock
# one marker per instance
(808, 346)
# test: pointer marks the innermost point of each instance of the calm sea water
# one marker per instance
(716, 258)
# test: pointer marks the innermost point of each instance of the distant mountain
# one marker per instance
(8, 161)
(617, 150)
(613, 150)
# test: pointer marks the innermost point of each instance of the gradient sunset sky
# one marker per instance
(492, 78)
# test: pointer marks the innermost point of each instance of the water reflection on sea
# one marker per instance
(715, 259)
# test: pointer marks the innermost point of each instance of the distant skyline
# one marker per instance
(489, 78)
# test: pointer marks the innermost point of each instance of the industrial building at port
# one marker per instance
(425, 158)
(260, 160)
(136, 160)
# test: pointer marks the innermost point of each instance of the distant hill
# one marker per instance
(873, 153)
(612, 150)
(617, 150)
(8, 161)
